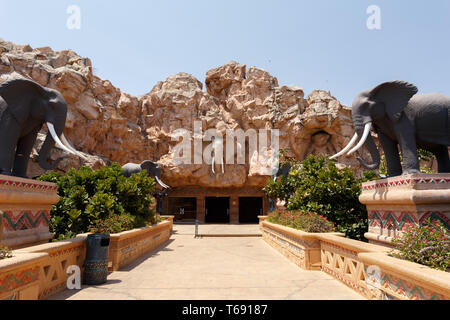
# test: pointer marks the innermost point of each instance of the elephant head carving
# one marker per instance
(24, 107)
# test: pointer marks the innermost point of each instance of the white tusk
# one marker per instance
(223, 169)
(58, 142)
(363, 139)
(64, 140)
(162, 183)
(167, 187)
(212, 165)
(350, 144)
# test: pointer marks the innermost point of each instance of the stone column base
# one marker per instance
(395, 203)
(25, 206)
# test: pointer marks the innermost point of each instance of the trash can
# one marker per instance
(96, 263)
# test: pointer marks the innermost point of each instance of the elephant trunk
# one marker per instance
(374, 153)
(49, 143)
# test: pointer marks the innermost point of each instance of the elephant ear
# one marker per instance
(17, 94)
(395, 95)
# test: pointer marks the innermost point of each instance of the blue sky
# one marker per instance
(322, 44)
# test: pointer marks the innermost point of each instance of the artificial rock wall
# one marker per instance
(110, 125)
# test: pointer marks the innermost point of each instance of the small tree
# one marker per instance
(317, 185)
(88, 196)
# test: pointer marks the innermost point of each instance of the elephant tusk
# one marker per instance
(162, 184)
(349, 145)
(363, 139)
(58, 142)
(64, 140)
(223, 169)
(212, 165)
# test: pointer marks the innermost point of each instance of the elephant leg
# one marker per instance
(9, 135)
(408, 145)
(390, 148)
(24, 148)
(443, 159)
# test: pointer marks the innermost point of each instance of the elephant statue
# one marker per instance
(24, 107)
(153, 170)
(402, 118)
(283, 170)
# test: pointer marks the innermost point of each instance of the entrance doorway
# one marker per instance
(249, 209)
(184, 209)
(217, 210)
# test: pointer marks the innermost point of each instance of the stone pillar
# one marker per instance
(25, 206)
(201, 208)
(234, 209)
(395, 203)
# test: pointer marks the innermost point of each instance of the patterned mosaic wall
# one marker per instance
(15, 280)
(304, 253)
(340, 258)
(25, 220)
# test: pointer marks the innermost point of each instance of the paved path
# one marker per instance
(228, 230)
(214, 268)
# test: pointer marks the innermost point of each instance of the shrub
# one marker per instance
(5, 253)
(317, 185)
(427, 245)
(426, 159)
(88, 196)
(113, 224)
(308, 222)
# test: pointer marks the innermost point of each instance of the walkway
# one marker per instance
(214, 268)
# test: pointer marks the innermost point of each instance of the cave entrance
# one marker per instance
(217, 210)
(184, 209)
(249, 209)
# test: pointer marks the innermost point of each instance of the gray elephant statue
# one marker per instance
(283, 170)
(402, 118)
(24, 107)
(153, 169)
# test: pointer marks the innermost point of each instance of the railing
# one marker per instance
(40, 271)
(366, 268)
(60, 255)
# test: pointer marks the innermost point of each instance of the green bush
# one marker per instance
(88, 196)
(425, 158)
(5, 253)
(113, 224)
(308, 222)
(427, 245)
(317, 185)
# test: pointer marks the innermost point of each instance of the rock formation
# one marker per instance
(113, 126)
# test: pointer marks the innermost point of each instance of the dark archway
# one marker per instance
(217, 210)
(249, 209)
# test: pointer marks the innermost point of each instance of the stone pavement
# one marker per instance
(214, 268)
(209, 230)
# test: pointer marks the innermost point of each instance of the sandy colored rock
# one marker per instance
(113, 126)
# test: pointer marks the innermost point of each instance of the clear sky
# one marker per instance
(321, 44)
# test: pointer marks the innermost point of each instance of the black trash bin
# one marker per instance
(96, 263)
